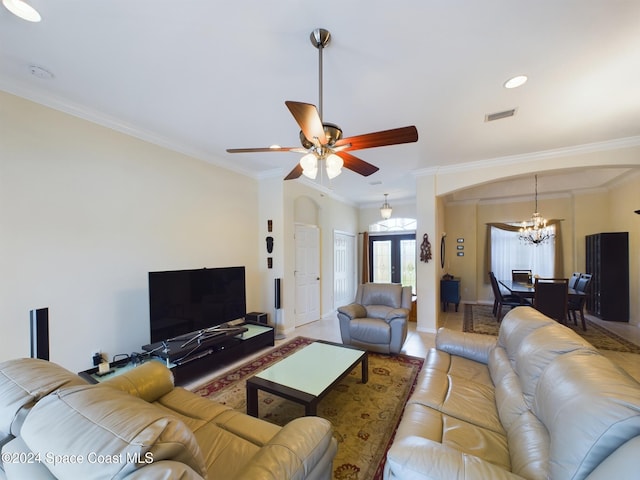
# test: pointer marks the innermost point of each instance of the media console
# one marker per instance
(196, 353)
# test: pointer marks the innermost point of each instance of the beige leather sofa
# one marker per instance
(138, 426)
(537, 402)
(377, 319)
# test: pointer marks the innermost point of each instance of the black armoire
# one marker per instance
(608, 261)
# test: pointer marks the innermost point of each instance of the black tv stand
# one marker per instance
(196, 359)
(180, 349)
(196, 353)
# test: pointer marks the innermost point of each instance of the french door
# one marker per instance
(392, 259)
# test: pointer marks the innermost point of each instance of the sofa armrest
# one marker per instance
(353, 310)
(418, 458)
(474, 346)
(148, 381)
(300, 447)
(622, 464)
(397, 313)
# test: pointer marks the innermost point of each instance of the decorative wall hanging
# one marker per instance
(425, 249)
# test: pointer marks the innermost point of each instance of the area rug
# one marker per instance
(480, 319)
(364, 416)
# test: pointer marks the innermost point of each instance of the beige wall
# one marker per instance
(86, 213)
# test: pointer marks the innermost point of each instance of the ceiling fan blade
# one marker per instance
(394, 136)
(309, 120)
(356, 164)
(266, 149)
(295, 173)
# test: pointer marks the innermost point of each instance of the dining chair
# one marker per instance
(500, 299)
(574, 279)
(576, 303)
(552, 297)
(521, 276)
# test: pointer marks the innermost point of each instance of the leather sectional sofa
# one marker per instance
(537, 402)
(138, 426)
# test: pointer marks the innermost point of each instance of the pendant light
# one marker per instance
(385, 209)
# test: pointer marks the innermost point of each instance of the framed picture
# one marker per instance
(460, 240)
(460, 247)
(461, 254)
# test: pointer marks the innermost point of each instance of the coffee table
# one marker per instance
(307, 375)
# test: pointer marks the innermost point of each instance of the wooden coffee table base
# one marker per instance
(309, 401)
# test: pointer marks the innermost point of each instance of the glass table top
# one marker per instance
(312, 369)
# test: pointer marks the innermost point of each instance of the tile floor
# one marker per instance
(419, 343)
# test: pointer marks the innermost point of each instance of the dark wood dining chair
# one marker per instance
(500, 299)
(520, 276)
(576, 304)
(551, 297)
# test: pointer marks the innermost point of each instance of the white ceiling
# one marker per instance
(201, 76)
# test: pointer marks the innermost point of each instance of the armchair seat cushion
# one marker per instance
(370, 330)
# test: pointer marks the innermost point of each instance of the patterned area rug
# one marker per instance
(480, 319)
(364, 416)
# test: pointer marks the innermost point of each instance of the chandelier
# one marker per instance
(385, 209)
(535, 231)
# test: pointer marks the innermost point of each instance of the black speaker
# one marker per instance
(39, 333)
(256, 317)
(277, 294)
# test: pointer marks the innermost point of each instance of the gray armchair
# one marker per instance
(377, 319)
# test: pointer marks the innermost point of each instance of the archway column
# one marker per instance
(427, 286)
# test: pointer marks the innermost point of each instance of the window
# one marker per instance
(394, 225)
(509, 253)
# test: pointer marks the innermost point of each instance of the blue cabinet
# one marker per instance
(450, 293)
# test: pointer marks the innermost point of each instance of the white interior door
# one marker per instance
(307, 274)
(344, 268)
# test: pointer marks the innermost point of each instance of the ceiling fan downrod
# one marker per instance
(320, 39)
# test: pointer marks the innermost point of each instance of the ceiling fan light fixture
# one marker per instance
(333, 165)
(22, 9)
(309, 164)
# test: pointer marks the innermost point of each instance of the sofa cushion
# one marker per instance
(126, 431)
(421, 421)
(513, 330)
(459, 388)
(590, 407)
(539, 349)
(23, 382)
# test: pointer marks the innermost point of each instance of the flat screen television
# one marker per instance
(185, 301)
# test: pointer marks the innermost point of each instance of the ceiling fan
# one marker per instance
(322, 141)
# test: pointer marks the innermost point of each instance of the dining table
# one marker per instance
(528, 290)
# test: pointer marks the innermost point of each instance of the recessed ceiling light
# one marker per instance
(22, 9)
(516, 82)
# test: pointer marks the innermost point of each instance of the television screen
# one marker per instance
(185, 301)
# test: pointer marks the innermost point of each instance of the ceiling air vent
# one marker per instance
(490, 117)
